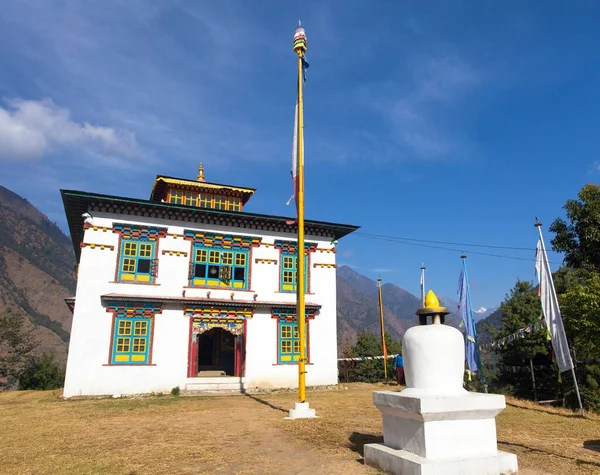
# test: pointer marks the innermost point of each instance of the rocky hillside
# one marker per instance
(358, 307)
(488, 325)
(36, 271)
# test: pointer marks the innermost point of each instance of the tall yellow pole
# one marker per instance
(382, 329)
(300, 304)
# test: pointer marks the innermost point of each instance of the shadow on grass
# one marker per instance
(553, 454)
(575, 415)
(592, 445)
(263, 402)
(358, 441)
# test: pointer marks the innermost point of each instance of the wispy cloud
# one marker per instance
(419, 114)
(377, 270)
(32, 129)
(170, 73)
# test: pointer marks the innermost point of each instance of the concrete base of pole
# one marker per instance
(302, 411)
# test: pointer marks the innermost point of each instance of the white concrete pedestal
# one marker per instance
(301, 411)
(442, 435)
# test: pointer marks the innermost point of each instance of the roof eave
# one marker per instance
(73, 199)
(203, 301)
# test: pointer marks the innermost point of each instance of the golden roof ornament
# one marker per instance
(200, 173)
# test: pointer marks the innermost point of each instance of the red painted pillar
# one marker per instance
(238, 355)
(192, 352)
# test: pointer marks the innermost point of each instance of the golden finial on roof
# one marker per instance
(200, 173)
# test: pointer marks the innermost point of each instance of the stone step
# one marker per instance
(215, 384)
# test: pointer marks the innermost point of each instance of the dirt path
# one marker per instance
(255, 443)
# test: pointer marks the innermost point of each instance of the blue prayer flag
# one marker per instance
(466, 312)
(305, 66)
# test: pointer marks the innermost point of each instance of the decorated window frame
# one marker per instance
(288, 267)
(132, 333)
(137, 260)
(220, 260)
(202, 199)
(288, 338)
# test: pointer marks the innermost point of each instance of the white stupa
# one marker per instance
(434, 426)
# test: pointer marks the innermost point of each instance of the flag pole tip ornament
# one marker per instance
(432, 306)
(300, 40)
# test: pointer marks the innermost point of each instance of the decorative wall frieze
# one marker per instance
(174, 253)
(265, 261)
(97, 246)
(87, 226)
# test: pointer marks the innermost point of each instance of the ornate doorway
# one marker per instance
(216, 349)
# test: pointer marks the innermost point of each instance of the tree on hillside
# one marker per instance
(42, 373)
(521, 309)
(580, 307)
(368, 344)
(579, 236)
(16, 345)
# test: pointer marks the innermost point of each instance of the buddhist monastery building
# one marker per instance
(188, 290)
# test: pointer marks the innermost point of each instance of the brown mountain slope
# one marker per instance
(358, 307)
(36, 271)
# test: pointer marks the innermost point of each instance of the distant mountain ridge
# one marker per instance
(36, 271)
(358, 307)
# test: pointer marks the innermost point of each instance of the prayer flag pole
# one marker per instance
(466, 309)
(423, 284)
(552, 315)
(301, 409)
(383, 346)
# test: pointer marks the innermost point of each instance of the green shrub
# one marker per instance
(42, 373)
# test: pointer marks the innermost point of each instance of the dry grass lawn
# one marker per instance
(42, 434)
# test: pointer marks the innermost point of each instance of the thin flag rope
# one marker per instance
(489, 246)
(397, 241)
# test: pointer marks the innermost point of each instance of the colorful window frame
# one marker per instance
(219, 202)
(218, 267)
(204, 200)
(132, 333)
(288, 342)
(191, 198)
(176, 197)
(131, 341)
(288, 271)
(137, 260)
(288, 337)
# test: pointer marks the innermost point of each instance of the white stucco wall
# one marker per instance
(88, 371)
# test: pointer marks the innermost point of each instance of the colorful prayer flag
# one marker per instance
(466, 312)
(551, 309)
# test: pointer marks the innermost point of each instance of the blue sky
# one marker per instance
(432, 120)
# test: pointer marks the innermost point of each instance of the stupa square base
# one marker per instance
(434, 427)
(402, 462)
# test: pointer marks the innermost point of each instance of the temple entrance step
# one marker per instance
(216, 384)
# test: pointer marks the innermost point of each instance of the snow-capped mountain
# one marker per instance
(482, 313)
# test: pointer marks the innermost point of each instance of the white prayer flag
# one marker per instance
(551, 309)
